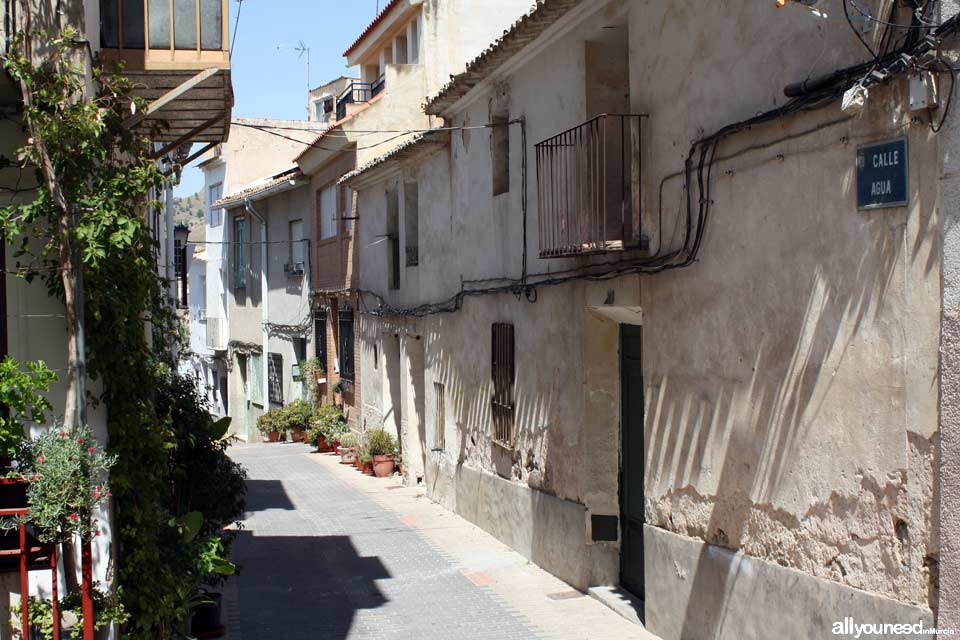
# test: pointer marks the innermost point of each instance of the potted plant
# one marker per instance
(326, 428)
(382, 447)
(107, 607)
(348, 448)
(66, 470)
(366, 462)
(298, 416)
(267, 426)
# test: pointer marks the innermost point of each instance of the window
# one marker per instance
(275, 364)
(296, 242)
(256, 379)
(393, 236)
(503, 372)
(414, 42)
(320, 326)
(239, 252)
(215, 214)
(327, 207)
(438, 418)
(500, 154)
(224, 396)
(345, 345)
(411, 222)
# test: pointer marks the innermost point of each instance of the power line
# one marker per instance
(236, 27)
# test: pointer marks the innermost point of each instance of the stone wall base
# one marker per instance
(697, 591)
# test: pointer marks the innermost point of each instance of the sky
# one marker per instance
(269, 76)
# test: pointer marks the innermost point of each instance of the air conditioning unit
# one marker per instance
(293, 268)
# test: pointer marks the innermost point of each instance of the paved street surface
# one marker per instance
(327, 553)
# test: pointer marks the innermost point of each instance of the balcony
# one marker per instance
(177, 54)
(359, 93)
(588, 181)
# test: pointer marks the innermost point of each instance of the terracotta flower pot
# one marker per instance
(383, 466)
(273, 436)
(348, 455)
(322, 444)
(297, 436)
(368, 468)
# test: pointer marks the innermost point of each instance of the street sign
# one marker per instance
(882, 174)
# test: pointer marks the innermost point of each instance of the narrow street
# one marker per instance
(329, 553)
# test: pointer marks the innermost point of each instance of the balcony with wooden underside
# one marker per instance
(177, 54)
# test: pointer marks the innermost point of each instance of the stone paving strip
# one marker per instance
(328, 553)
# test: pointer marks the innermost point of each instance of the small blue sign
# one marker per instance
(882, 174)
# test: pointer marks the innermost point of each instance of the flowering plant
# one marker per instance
(67, 472)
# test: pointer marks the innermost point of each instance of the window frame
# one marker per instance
(240, 262)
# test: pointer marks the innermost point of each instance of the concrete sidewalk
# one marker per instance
(329, 553)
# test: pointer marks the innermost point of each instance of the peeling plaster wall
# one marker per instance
(792, 373)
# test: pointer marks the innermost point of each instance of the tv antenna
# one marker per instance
(302, 50)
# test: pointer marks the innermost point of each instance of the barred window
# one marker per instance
(345, 345)
(439, 420)
(275, 364)
(503, 373)
(320, 348)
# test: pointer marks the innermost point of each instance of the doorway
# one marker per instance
(631, 460)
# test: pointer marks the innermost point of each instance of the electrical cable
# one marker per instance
(846, 13)
(698, 170)
(236, 27)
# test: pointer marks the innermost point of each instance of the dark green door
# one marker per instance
(631, 460)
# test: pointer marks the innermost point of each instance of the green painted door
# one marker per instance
(631, 460)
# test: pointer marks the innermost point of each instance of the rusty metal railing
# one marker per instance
(589, 187)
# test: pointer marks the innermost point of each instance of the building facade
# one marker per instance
(234, 326)
(403, 56)
(709, 374)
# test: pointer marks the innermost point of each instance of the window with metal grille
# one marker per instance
(503, 373)
(239, 253)
(345, 345)
(439, 440)
(320, 348)
(275, 364)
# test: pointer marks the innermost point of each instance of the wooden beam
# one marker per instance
(167, 148)
(170, 97)
(192, 157)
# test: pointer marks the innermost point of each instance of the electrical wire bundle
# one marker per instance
(904, 47)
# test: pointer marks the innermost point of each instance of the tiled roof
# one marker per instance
(336, 125)
(260, 188)
(373, 25)
(436, 137)
(524, 31)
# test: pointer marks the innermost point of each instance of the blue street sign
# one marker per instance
(882, 174)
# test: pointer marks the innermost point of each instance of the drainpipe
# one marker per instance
(264, 304)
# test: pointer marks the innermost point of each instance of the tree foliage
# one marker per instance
(164, 440)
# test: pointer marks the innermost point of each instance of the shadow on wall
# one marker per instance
(759, 420)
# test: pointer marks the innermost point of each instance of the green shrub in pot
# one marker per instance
(380, 443)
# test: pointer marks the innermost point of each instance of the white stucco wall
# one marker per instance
(790, 374)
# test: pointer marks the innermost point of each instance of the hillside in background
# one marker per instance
(190, 211)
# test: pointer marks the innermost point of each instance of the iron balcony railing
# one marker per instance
(358, 93)
(176, 25)
(588, 181)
